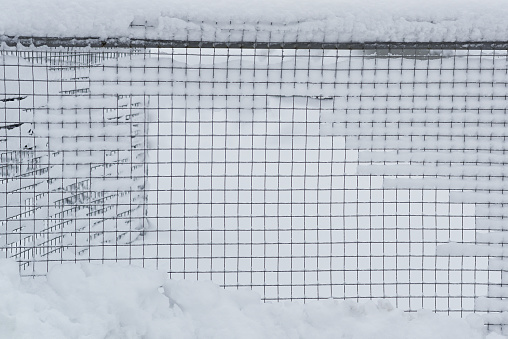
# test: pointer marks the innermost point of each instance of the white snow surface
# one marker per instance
(260, 20)
(111, 301)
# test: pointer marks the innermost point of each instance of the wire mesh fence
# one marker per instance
(345, 171)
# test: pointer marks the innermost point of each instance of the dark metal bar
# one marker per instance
(148, 43)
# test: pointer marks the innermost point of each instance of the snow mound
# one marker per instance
(260, 20)
(110, 301)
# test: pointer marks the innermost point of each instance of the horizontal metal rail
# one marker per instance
(150, 43)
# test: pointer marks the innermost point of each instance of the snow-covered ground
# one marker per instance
(110, 301)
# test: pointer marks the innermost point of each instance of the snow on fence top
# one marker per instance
(329, 21)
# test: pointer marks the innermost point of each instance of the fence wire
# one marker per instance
(347, 172)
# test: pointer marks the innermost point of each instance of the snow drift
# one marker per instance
(110, 301)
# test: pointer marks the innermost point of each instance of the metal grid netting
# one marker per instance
(345, 172)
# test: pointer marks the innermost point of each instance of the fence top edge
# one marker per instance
(149, 43)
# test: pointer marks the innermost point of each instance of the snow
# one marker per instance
(261, 20)
(111, 301)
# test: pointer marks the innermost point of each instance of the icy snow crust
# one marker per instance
(105, 301)
(261, 20)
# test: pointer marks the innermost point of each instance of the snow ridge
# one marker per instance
(263, 20)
